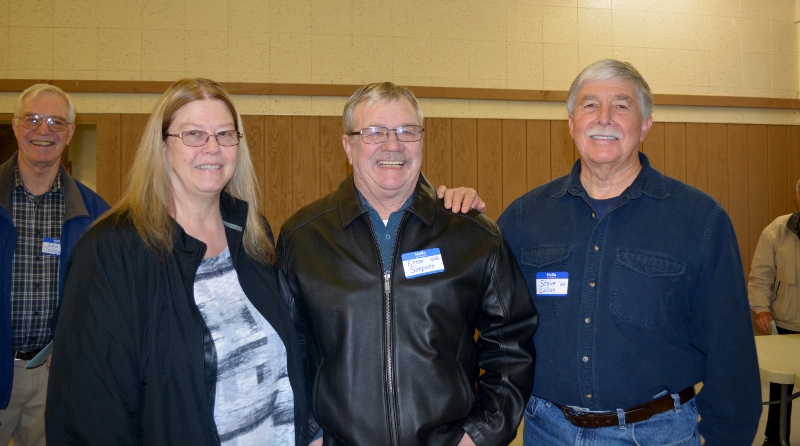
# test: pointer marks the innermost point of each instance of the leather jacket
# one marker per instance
(393, 360)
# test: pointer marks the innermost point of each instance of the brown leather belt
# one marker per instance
(26, 356)
(633, 415)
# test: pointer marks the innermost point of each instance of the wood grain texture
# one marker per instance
(750, 169)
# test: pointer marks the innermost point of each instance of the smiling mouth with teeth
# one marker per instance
(42, 143)
(608, 137)
(391, 163)
(209, 167)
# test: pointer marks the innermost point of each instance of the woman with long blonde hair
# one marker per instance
(172, 330)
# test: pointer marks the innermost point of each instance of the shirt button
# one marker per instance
(591, 284)
(36, 284)
(589, 396)
(387, 236)
(594, 215)
(587, 320)
(585, 359)
(596, 248)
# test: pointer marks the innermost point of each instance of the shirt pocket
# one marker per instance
(545, 258)
(643, 284)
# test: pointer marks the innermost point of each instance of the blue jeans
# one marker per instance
(545, 425)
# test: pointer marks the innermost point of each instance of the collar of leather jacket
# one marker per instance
(423, 204)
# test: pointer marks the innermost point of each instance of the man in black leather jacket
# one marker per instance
(387, 289)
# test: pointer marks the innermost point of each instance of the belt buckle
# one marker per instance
(579, 418)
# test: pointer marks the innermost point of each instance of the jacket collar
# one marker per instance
(423, 203)
(649, 181)
(234, 217)
(793, 224)
(75, 207)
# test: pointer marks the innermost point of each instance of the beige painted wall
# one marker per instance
(707, 47)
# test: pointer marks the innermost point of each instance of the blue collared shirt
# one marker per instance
(656, 300)
(385, 233)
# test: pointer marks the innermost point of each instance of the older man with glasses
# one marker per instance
(43, 212)
(389, 287)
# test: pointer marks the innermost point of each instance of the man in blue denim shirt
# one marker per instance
(639, 286)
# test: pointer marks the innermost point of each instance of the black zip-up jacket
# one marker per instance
(133, 361)
(393, 360)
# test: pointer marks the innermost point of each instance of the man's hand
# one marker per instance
(466, 441)
(762, 321)
(461, 199)
(317, 442)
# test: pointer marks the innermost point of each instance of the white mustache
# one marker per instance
(603, 132)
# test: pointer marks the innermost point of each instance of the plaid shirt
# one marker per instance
(34, 274)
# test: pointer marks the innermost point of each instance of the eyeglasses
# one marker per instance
(197, 138)
(377, 135)
(32, 122)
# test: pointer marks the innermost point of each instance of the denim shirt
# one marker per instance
(656, 300)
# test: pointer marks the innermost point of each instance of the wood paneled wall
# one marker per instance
(750, 169)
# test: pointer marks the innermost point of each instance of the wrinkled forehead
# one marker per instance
(46, 103)
(381, 111)
(613, 88)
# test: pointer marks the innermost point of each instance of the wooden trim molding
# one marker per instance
(490, 94)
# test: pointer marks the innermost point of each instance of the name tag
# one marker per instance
(552, 284)
(422, 263)
(51, 246)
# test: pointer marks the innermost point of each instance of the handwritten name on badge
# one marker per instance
(422, 263)
(51, 246)
(552, 284)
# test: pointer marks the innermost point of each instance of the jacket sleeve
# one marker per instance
(760, 290)
(287, 292)
(506, 321)
(729, 402)
(95, 378)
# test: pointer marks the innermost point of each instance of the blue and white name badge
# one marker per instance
(51, 246)
(552, 284)
(422, 263)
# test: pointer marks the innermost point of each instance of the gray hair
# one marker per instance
(613, 69)
(797, 186)
(37, 89)
(375, 92)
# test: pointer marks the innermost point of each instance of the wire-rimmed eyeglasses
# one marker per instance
(377, 135)
(197, 138)
(32, 122)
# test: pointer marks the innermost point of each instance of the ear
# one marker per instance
(646, 124)
(569, 121)
(347, 148)
(70, 132)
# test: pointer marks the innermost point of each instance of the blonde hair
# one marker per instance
(149, 201)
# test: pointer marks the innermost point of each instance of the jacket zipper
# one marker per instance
(387, 292)
(387, 302)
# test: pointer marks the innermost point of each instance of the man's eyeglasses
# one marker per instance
(197, 138)
(377, 135)
(32, 122)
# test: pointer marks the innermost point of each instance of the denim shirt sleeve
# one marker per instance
(730, 400)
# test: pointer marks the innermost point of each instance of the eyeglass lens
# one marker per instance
(405, 133)
(33, 122)
(197, 138)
